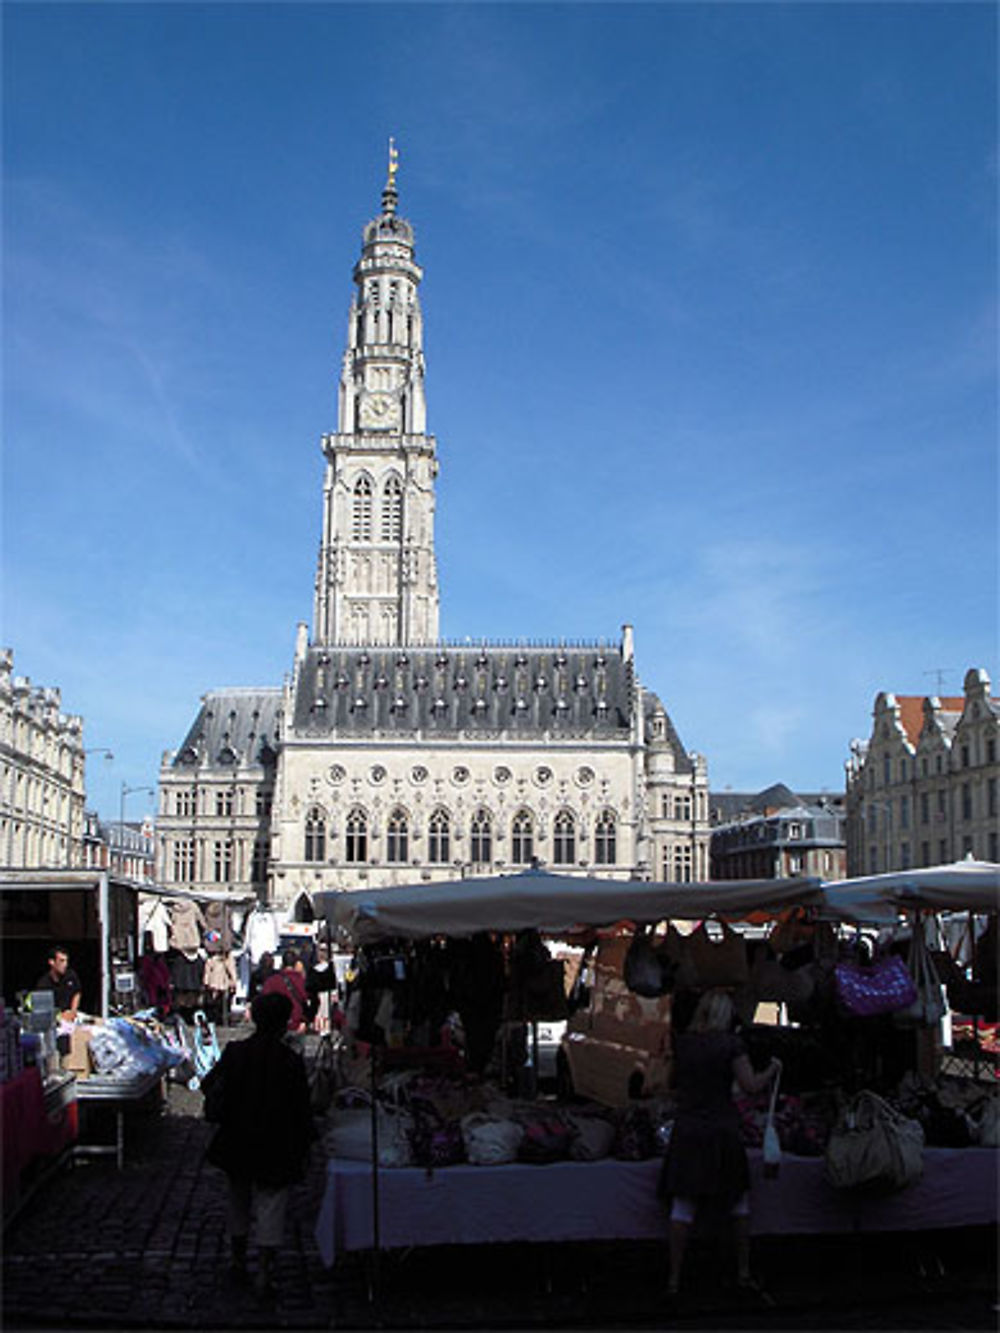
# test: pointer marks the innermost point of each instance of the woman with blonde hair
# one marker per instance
(707, 1163)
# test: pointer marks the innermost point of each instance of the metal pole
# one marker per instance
(104, 929)
(373, 1292)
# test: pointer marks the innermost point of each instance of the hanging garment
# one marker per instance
(218, 932)
(187, 924)
(154, 919)
(220, 972)
(261, 935)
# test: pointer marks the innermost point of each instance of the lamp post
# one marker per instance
(126, 791)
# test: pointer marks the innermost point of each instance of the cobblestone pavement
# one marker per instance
(145, 1248)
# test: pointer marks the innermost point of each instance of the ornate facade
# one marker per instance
(41, 775)
(923, 789)
(390, 756)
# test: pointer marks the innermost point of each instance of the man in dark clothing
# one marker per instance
(63, 981)
(265, 1129)
(290, 981)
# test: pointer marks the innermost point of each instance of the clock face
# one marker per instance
(379, 410)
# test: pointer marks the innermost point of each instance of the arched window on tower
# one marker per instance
(605, 839)
(397, 842)
(315, 848)
(356, 841)
(481, 846)
(522, 842)
(564, 839)
(392, 510)
(439, 837)
(362, 517)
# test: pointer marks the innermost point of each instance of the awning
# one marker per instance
(559, 904)
(552, 904)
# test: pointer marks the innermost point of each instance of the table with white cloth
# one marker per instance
(614, 1200)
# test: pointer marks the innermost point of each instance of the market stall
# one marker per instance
(407, 936)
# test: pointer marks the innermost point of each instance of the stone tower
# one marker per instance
(376, 581)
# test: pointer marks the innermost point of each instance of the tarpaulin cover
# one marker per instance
(557, 904)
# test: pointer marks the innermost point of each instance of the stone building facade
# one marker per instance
(41, 775)
(777, 835)
(923, 789)
(390, 756)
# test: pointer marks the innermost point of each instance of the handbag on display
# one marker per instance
(490, 1141)
(928, 1008)
(874, 1147)
(772, 1144)
(350, 1132)
(643, 968)
(722, 963)
(881, 987)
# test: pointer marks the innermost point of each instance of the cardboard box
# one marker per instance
(77, 1059)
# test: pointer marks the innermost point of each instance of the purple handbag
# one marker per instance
(881, 988)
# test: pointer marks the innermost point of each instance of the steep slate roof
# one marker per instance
(446, 690)
(651, 705)
(236, 726)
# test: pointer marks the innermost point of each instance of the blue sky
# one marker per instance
(710, 308)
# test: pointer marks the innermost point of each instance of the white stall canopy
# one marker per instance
(552, 904)
(559, 904)
(965, 886)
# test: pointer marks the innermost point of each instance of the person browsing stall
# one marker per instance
(290, 981)
(63, 981)
(706, 1164)
(260, 1095)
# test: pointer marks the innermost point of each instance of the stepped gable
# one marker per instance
(235, 727)
(447, 689)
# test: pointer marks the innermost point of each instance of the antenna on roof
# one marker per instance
(939, 673)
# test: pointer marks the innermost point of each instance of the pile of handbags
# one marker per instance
(436, 1122)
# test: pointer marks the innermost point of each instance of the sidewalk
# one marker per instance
(145, 1248)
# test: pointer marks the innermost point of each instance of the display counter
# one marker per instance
(39, 1120)
(614, 1200)
(121, 1095)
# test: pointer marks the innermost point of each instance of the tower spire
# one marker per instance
(389, 196)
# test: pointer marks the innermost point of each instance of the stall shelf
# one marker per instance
(122, 1095)
(613, 1200)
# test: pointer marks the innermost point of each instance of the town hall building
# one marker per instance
(390, 756)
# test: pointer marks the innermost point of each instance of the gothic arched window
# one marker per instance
(481, 848)
(397, 837)
(522, 842)
(392, 510)
(564, 839)
(315, 849)
(362, 514)
(606, 839)
(439, 837)
(356, 847)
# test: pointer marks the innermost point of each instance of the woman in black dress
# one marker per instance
(707, 1162)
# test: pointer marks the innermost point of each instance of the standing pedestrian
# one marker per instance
(62, 980)
(265, 1130)
(706, 1163)
(290, 981)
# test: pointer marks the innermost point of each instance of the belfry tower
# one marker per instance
(376, 580)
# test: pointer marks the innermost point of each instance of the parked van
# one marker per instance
(616, 1043)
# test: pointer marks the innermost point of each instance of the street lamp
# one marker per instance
(126, 791)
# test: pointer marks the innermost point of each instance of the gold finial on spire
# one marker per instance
(393, 161)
